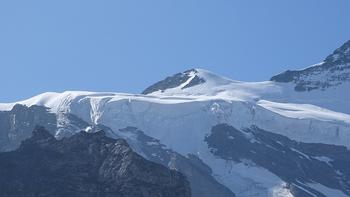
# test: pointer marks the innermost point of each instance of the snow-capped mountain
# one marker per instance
(303, 116)
(332, 72)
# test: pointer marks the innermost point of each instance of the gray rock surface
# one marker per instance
(175, 81)
(86, 164)
(18, 124)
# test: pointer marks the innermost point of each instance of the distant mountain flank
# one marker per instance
(333, 71)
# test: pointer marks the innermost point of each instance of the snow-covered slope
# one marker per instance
(181, 110)
(222, 88)
(159, 113)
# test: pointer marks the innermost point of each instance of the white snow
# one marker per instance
(324, 159)
(305, 111)
(245, 178)
(152, 143)
(280, 191)
(88, 129)
(326, 190)
(300, 153)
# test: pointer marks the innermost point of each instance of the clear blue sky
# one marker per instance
(126, 45)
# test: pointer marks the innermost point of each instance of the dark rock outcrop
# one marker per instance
(296, 163)
(175, 81)
(86, 164)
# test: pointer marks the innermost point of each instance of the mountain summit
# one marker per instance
(186, 79)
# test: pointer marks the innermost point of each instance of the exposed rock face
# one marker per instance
(198, 173)
(18, 124)
(294, 162)
(175, 81)
(86, 164)
(333, 71)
